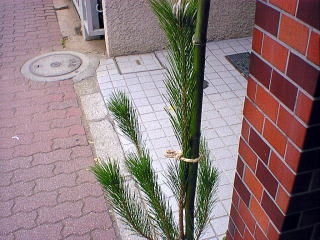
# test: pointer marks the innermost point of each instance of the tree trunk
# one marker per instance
(200, 39)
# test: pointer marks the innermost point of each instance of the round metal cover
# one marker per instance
(55, 66)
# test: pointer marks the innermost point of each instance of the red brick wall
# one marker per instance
(277, 183)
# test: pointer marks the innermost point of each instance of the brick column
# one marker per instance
(277, 183)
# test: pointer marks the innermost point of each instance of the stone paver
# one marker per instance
(45, 190)
(221, 121)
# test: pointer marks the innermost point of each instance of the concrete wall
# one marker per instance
(131, 27)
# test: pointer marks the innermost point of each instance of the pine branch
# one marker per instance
(122, 200)
(126, 117)
(139, 165)
(140, 168)
(206, 189)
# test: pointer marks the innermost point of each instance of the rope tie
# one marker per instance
(178, 156)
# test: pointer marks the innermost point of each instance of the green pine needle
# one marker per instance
(122, 200)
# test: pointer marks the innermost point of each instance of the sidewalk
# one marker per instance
(45, 190)
(142, 78)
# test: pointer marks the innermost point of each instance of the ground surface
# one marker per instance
(45, 190)
(142, 78)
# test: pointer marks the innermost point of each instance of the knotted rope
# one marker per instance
(178, 156)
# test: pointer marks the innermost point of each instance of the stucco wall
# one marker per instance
(131, 27)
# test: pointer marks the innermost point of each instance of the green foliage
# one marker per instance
(206, 188)
(124, 202)
(156, 221)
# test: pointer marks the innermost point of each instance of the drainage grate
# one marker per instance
(241, 62)
(55, 66)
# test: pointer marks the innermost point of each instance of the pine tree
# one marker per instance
(190, 176)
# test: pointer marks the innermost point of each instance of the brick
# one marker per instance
(288, 6)
(267, 179)
(51, 157)
(92, 204)
(247, 235)
(259, 146)
(85, 176)
(14, 222)
(100, 234)
(291, 127)
(59, 212)
(76, 130)
(74, 112)
(259, 234)
(242, 190)
(240, 166)
(64, 143)
(77, 237)
(275, 53)
(51, 115)
(252, 114)
(305, 76)
(28, 150)
(237, 220)
(63, 105)
(283, 89)
(248, 155)
(245, 130)
(87, 223)
(292, 157)
(259, 214)
(53, 183)
(73, 165)
(5, 209)
(32, 127)
(15, 190)
(251, 89)
(35, 201)
(294, 33)
(260, 70)
(81, 151)
(65, 122)
(47, 231)
(79, 192)
(308, 11)
(267, 18)
(313, 53)
(51, 134)
(253, 183)
(12, 142)
(257, 36)
(272, 211)
(231, 229)
(276, 139)
(235, 199)
(268, 104)
(304, 107)
(285, 176)
(51, 99)
(272, 232)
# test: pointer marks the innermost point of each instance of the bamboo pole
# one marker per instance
(200, 39)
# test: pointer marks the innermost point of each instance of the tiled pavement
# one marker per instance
(141, 76)
(45, 191)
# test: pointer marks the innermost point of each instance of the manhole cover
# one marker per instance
(55, 66)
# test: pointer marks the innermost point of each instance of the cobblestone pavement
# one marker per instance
(141, 76)
(45, 191)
